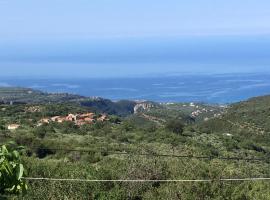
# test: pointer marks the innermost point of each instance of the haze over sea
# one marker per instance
(205, 69)
(170, 45)
(217, 88)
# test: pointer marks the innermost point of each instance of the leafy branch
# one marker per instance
(11, 172)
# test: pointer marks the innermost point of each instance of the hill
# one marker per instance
(250, 116)
(30, 96)
(16, 95)
(152, 141)
(189, 112)
(247, 123)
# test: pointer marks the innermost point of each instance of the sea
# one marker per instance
(205, 88)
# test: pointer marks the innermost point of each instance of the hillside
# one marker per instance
(157, 142)
(188, 112)
(248, 119)
(254, 113)
(121, 108)
(29, 96)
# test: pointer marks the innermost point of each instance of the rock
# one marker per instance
(144, 106)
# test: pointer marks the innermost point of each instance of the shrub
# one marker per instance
(43, 130)
(42, 151)
(175, 126)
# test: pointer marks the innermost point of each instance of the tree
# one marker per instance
(11, 172)
(175, 126)
(43, 130)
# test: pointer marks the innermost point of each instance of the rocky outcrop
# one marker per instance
(143, 106)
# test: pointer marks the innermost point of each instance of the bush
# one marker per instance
(175, 126)
(43, 130)
(42, 151)
(128, 126)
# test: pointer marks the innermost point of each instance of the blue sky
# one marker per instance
(124, 38)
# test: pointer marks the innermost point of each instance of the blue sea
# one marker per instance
(215, 88)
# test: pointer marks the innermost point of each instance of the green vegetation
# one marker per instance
(121, 108)
(16, 95)
(175, 126)
(11, 172)
(134, 147)
(19, 95)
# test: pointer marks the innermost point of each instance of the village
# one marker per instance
(78, 119)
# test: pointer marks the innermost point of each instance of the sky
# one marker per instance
(104, 38)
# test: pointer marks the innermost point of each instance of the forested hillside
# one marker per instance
(220, 147)
(16, 95)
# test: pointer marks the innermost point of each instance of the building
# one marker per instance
(71, 118)
(13, 126)
(45, 120)
(103, 118)
(78, 119)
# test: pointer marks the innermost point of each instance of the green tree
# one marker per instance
(43, 130)
(176, 126)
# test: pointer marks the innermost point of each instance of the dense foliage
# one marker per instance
(130, 148)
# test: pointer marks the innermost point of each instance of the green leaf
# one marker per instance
(19, 171)
(11, 172)
(15, 154)
(4, 150)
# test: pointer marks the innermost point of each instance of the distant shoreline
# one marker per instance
(211, 89)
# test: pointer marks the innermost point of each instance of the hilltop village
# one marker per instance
(78, 119)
